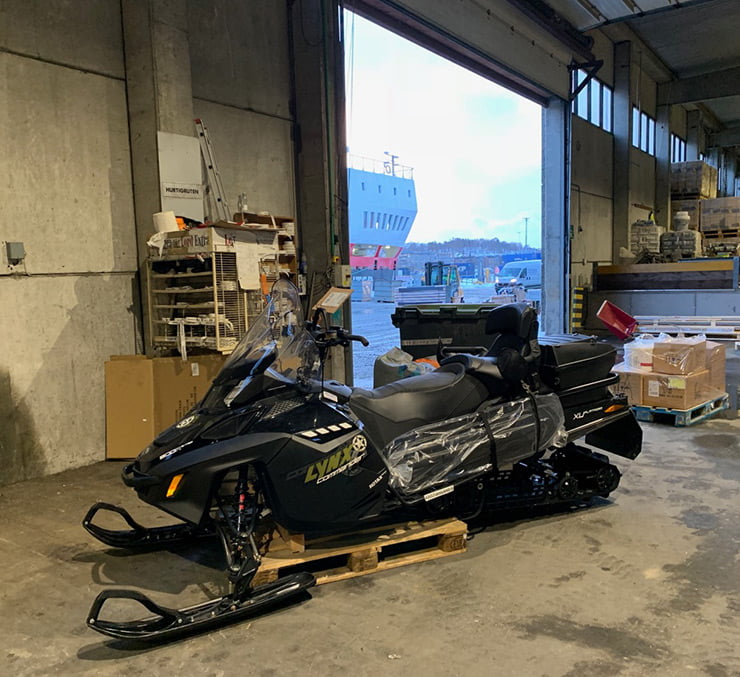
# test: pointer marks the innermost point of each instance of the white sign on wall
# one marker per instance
(180, 175)
(192, 191)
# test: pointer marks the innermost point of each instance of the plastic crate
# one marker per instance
(616, 320)
(422, 326)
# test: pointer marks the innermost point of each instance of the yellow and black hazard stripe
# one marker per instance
(578, 308)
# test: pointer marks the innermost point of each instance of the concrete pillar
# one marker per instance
(726, 179)
(160, 98)
(622, 145)
(731, 181)
(712, 156)
(555, 208)
(694, 135)
(321, 166)
(663, 166)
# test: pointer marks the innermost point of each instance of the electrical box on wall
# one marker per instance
(16, 252)
(342, 275)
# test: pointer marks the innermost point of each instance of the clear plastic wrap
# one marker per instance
(453, 450)
(680, 355)
(638, 354)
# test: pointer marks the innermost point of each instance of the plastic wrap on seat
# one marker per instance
(450, 451)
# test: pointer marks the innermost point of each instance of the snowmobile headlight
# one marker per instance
(174, 484)
(614, 407)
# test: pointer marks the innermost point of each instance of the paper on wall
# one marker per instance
(248, 258)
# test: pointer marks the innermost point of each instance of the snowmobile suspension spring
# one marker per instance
(241, 492)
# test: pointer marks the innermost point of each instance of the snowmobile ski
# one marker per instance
(140, 536)
(166, 624)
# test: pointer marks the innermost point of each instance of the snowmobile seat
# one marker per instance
(499, 374)
(514, 329)
(512, 326)
(395, 408)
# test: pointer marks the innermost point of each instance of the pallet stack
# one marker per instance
(681, 378)
(681, 244)
(694, 190)
(720, 225)
(645, 236)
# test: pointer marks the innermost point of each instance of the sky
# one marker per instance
(475, 147)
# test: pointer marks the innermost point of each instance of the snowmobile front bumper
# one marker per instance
(136, 479)
(166, 624)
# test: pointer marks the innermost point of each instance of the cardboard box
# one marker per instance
(675, 391)
(716, 359)
(722, 213)
(630, 382)
(693, 207)
(143, 396)
(693, 178)
(679, 356)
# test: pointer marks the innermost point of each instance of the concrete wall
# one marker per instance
(595, 174)
(591, 201)
(241, 89)
(67, 195)
(592, 181)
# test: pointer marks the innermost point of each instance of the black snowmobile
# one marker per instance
(272, 443)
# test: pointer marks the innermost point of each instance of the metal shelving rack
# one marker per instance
(194, 308)
(196, 301)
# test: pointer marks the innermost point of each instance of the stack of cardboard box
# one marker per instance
(684, 373)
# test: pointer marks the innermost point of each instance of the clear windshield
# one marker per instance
(276, 343)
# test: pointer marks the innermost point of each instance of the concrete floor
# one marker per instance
(647, 583)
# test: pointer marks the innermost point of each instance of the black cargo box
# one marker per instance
(421, 327)
(570, 360)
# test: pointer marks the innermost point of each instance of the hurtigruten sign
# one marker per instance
(192, 191)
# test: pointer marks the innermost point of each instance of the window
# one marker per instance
(635, 127)
(678, 149)
(364, 249)
(643, 131)
(594, 102)
(607, 104)
(594, 112)
(389, 252)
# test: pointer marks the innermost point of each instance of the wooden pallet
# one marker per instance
(690, 196)
(682, 417)
(726, 234)
(337, 558)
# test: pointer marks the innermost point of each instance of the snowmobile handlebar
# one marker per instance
(337, 336)
(333, 335)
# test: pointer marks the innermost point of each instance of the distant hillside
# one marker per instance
(462, 247)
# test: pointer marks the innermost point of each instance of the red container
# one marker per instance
(616, 320)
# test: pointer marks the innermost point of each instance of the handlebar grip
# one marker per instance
(356, 337)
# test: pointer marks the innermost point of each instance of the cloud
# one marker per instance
(475, 147)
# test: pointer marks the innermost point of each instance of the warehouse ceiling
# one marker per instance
(696, 44)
